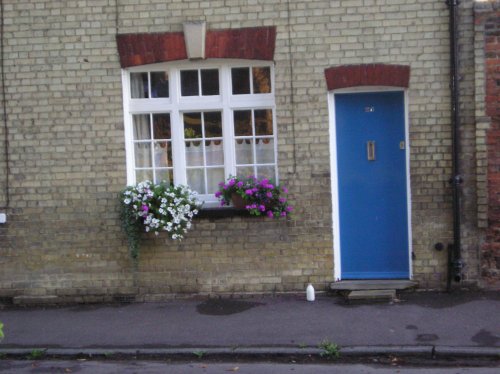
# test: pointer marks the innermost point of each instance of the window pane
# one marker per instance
(214, 177)
(139, 85)
(210, 82)
(161, 126)
(194, 153)
(242, 122)
(268, 172)
(214, 152)
(245, 171)
(159, 84)
(189, 83)
(143, 175)
(240, 78)
(263, 122)
(261, 80)
(163, 154)
(142, 155)
(213, 124)
(142, 129)
(244, 151)
(264, 150)
(192, 125)
(196, 180)
(166, 175)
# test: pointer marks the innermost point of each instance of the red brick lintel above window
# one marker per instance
(252, 43)
(367, 75)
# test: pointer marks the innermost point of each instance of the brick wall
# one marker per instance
(487, 25)
(64, 107)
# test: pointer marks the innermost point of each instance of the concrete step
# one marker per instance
(373, 284)
(371, 295)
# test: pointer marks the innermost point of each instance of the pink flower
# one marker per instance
(285, 190)
(262, 208)
(282, 200)
(249, 192)
(145, 208)
(289, 208)
(269, 194)
(270, 214)
(283, 214)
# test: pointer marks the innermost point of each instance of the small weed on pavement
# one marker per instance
(330, 350)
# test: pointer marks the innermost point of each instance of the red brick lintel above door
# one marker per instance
(252, 43)
(367, 75)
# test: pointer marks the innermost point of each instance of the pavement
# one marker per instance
(419, 324)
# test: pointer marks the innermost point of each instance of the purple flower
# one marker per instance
(264, 181)
(145, 208)
(239, 184)
(231, 182)
(262, 208)
(269, 194)
(218, 194)
(285, 190)
(289, 208)
(283, 214)
(225, 186)
(282, 200)
(270, 214)
(249, 192)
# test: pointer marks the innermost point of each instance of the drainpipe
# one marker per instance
(455, 264)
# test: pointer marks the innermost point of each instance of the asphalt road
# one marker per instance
(153, 367)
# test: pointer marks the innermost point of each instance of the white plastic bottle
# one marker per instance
(310, 292)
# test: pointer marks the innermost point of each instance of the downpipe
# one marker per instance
(455, 264)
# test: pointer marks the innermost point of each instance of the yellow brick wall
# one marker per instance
(67, 154)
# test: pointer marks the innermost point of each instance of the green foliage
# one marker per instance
(330, 350)
(36, 354)
(132, 227)
(189, 133)
(199, 354)
(1, 331)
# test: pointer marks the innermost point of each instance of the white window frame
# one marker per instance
(225, 102)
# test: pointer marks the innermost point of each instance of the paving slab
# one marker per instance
(470, 321)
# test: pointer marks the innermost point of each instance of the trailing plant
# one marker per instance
(262, 197)
(1, 331)
(150, 207)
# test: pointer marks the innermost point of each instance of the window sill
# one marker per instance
(217, 213)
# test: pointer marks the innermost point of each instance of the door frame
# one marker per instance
(337, 265)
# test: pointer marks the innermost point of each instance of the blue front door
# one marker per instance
(372, 185)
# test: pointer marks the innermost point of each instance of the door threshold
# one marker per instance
(373, 284)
